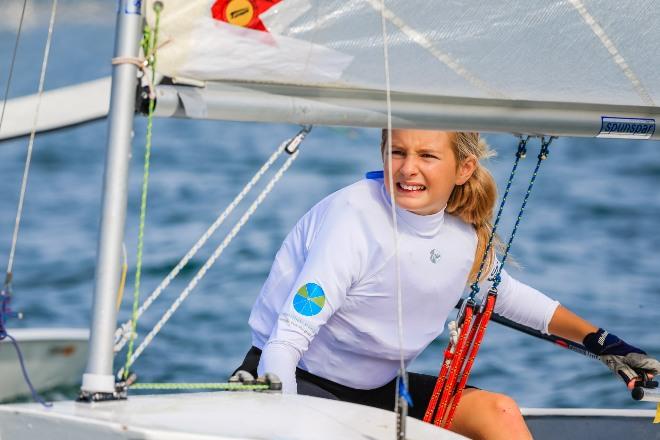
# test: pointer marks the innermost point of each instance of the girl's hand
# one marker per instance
(625, 360)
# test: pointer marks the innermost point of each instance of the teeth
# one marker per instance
(412, 187)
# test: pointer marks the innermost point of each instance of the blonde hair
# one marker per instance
(474, 201)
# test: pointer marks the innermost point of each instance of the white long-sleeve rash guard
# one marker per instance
(329, 305)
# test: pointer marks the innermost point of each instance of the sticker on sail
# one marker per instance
(626, 128)
(242, 13)
(309, 299)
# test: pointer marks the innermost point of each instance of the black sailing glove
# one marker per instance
(623, 359)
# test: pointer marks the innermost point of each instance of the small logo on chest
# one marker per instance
(435, 256)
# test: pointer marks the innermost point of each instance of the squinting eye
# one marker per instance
(397, 153)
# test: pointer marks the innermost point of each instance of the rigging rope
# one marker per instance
(149, 43)
(28, 159)
(216, 254)
(473, 317)
(520, 154)
(11, 65)
(402, 398)
(122, 333)
(543, 155)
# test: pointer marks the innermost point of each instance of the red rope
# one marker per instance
(433, 403)
(454, 367)
(483, 320)
(457, 364)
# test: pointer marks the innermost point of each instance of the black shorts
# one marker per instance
(420, 387)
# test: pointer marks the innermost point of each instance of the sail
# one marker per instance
(571, 53)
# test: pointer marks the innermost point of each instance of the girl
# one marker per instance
(325, 321)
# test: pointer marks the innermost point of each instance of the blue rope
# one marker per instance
(522, 151)
(520, 154)
(543, 155)
(5, 314)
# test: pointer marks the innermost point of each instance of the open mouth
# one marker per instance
(410, 188)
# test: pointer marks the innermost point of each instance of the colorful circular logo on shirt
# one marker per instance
(309, 299)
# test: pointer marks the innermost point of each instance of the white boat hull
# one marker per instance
(219, 415)
(53, 358)
(248, 415)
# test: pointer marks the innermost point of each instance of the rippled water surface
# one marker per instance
(590, 236)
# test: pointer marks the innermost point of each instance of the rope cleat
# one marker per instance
(274, 383)
(243, 377)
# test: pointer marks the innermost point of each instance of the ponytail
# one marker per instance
(473, 203)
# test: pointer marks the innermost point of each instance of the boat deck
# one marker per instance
(246, 415)
(219, 415)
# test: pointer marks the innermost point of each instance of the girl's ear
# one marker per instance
(466, 169)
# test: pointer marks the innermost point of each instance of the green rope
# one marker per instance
(199, 386)
(149, 41)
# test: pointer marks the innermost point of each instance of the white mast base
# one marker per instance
(102, 383)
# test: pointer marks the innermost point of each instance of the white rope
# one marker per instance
(13, 61)
(122, 334)
(142, 63)
(216, 254)
(28, 159)
(395, 229)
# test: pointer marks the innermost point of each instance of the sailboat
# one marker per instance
(321, 62)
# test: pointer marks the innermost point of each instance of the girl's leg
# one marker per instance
(485, 415)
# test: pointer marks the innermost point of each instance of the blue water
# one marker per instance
(590, 237)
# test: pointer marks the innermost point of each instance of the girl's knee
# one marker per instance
(505, 415)
(486, 415)
(504, 406)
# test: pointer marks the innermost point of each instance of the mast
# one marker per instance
(98, 381)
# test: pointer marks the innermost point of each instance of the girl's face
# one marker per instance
(425, 170)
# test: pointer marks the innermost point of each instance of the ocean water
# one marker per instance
(590, 236)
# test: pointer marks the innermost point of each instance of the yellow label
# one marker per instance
(239, 12)
(657, 414)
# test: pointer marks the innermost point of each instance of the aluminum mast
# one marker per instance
(98, 380)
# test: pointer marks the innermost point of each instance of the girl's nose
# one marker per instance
(409, 166)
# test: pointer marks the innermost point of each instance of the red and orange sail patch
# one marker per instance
(243, 13)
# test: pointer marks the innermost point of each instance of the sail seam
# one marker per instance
(618, 59)
(441, 56)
